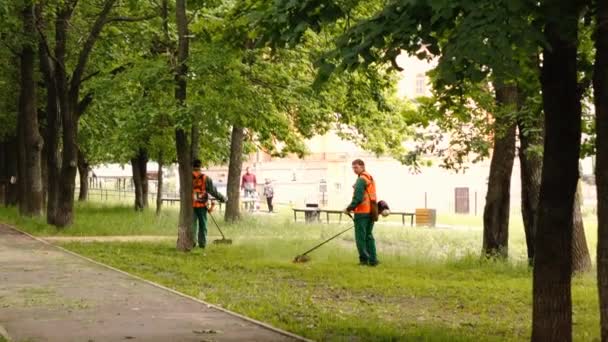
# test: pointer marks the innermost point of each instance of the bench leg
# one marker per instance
(327, 217)
(294, 216)
(412, 221)
(403, 220)
(340, 218)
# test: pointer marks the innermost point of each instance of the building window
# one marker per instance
(420, 85)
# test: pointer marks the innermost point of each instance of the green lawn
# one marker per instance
(430, 286)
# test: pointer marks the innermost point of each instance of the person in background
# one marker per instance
(248, 184)
(269, 194)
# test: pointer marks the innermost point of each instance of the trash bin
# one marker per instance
(312, 213)
(426, 217)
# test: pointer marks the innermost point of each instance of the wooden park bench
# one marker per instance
(306, 212)
(403, 215)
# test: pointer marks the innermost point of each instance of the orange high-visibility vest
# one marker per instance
(365, 207)
(199, 188)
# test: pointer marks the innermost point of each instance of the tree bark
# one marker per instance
(600, 85)
(21, 160)
(234, 174)
(12, 190)
(531, 167)
(53, 130)
(552, 302)
(83, 171)
(496, 211)
(137, 185)
(143, 169)
(184, 153)
(159, 185)
(140, 179)
(29, 123)
(4, 178)
(581, 260)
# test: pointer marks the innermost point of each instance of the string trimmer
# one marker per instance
(302, 258)
(223, 240)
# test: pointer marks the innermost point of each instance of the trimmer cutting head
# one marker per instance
(300, 259)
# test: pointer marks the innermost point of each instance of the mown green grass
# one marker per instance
(332, 298)
(98, 219)
(430, 286)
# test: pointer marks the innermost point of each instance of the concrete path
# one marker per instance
(47, 294)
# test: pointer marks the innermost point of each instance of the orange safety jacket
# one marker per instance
(199, 189)
(365, 207)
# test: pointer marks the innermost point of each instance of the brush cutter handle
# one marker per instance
(326, 241)
(218, 227)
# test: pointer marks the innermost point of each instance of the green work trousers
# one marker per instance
(366, 245)
(200, 215)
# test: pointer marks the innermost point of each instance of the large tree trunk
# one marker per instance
(600, 85)
(21, 160)
(137, 187)
(83, 172)
(234, 174)
(184, 237)
(140, 180)
(552, 302)
(159, 185)
(53, 132)
(29, 114)
(531, 167)
(581, 260)
(498, 197)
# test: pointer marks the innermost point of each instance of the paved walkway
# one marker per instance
(47, 294)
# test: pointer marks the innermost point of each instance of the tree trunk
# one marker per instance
(496, 211)
(184, 237)
(531, 167)
(234, 174)
(44, 174)
(12, 191)
(53, 132)
(21, 160)
(143, 169)
(581, 260)
(83, 171)
(4, 178)
(600, 85)
(29, 113)
(552, 302)
(137, 184)
(159, 185)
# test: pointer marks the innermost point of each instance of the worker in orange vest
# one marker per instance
(202, 186)
(363, 205)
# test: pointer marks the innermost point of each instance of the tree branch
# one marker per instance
(88, 77)
(84, 104)
(131, 19)
(88, 47)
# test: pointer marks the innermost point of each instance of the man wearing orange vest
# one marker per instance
(361, 205)
(202, 186)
